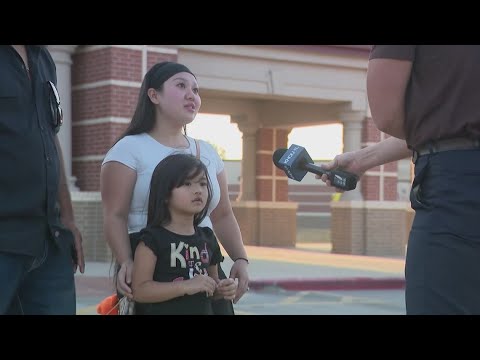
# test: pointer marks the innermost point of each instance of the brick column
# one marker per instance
(347, 216)
(263, 212)
(272, 183)
(379, 183)
(106, 81)
(370, 227)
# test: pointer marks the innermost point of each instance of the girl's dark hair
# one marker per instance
(143, 118)
(170, 173)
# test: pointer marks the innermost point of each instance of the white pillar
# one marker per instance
(62, 55)
(352, 140)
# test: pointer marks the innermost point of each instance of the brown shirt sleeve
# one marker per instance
(399, 52)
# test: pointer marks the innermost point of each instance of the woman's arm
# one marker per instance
(228, 232)
(116, 185)
(225, 224)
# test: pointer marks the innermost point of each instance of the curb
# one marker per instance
(100, 286)
(300, 284)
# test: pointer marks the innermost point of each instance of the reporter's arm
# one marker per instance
(360, 161)
(388, 150)
(387, 81)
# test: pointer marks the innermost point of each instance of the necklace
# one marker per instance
(183, 147)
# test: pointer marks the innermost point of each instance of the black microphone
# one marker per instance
(296, 162)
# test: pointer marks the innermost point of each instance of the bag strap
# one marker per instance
(197, 145)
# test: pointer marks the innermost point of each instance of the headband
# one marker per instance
(165, 71)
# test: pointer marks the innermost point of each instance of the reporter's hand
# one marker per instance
(124, 279)
(347, 161)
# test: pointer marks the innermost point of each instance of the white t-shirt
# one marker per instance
(142, 153)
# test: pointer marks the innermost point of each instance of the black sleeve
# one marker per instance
(399, 52)
(149, 239)
(217, 257)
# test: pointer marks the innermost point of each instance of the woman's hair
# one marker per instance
(170, 173)
(143, 119)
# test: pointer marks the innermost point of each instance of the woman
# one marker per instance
(169, 100)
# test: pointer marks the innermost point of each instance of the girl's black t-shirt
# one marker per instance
(180, 257)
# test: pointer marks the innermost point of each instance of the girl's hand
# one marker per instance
(201, 283)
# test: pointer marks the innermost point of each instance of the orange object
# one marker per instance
(108, 306)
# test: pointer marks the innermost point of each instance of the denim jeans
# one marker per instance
(38, 286)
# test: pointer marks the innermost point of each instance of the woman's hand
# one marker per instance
(239, 271)
(124, 279)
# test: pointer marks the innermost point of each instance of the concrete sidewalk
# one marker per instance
(306, 267)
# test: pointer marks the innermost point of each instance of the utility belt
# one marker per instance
(433, 147)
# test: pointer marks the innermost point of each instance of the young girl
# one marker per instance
(175, 264)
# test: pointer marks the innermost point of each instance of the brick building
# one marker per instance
(267, 90)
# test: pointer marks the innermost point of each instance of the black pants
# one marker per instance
(220, 307)
(443, 257)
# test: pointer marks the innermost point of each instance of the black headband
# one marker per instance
(164, 71)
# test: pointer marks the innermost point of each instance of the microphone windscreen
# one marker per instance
(277, 155)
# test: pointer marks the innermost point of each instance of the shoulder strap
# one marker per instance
(197, 145)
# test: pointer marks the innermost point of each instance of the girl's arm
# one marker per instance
(146, 290)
